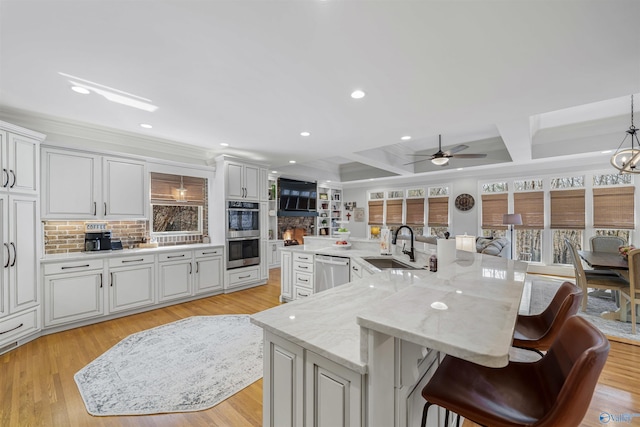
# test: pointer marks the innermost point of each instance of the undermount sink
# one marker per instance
(389, 263)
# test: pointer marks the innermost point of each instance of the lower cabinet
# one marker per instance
(174, 270)
(286, 277)
(243, 276)
(302, 388)
(208, 273)
(19, 325)
(73, 291)
(131, 282)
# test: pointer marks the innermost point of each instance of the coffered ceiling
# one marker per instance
(522, 81)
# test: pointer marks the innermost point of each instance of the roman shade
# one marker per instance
(567, 209)
(394, 212)
(494, 206)
(530, 206)
(415, 211)
(613, 207)
(164, 189)
(438, 212)
(376, 212)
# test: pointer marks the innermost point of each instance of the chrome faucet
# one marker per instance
(412, 252)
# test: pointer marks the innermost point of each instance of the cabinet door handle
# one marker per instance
(95, 208)
(100, 279)
(12, 329)
(6, 175)
(105, 208)
(190, 268)
(15, 254)
(304, 280)
(13, 174)
(132, 260)
(244, 277)
(111, 279)
(210, 253)
(303, 257)
(197, 267)
(303, 267)
(175, 256)
(6, 245)
(74, 266)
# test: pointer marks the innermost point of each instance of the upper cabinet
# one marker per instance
(19, 160)
(243, 181)
(80, 185)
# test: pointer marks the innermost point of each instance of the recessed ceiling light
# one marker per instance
(145, 125)
(274, 171)
(80, 89)
(305, 133)
(224, 144)
(405, 138)
(357, 94)
(459, 169)
(292, 161)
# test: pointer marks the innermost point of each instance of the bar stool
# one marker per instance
(537, 332)
(553, 391)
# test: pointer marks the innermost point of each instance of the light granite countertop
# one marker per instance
(481, 293)
(76, 256)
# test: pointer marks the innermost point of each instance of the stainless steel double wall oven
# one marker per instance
(243, 234)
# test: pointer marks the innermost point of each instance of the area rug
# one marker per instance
(544, 288)
(188, 365)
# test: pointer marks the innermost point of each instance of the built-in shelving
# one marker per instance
(329, 210)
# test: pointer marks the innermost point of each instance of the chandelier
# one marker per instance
(626, 160)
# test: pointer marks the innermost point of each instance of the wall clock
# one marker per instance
(464, 202)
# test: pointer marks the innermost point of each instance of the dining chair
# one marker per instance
(596, 279)
(606, 243)
(553, 391)
(538, 331)
(632, 293)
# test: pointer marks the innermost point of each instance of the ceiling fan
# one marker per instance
(441, 158)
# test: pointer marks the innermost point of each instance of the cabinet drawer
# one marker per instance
(303, 279)
(302, 292)
(244, 276)
(20, 325)
(130, 260)
(72, 266)
(304, 257)
(305, 267)
(174, 256)
(209, 252)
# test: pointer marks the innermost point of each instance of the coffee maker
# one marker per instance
(97, 241)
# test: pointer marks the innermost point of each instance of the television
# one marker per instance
(297, 197)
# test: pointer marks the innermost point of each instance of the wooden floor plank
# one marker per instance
(37, 386)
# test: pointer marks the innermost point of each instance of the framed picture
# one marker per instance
(358, 214)
(324, 196)
(349, 206)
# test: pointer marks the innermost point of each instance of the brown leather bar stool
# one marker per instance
(537, 332)
(553, 391)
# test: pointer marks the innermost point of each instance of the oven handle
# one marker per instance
(236, 239)
(243, 210)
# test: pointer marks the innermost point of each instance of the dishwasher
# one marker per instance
(330, 271)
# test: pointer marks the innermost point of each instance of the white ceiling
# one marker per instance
(519, 80)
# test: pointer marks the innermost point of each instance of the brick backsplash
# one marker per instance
(68, 236)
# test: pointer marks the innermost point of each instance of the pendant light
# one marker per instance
(626, 160)
(182, 192)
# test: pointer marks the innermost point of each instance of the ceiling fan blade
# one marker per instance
(455, 149)
(469, 156)
(417, 161)
(422, 155)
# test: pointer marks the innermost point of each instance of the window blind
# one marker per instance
(164, 189)
(531, 206)
(494, 206)
(394, 212)
(613, 207)
(438, 212)
(375, 212)
(415, 211)
(567, 209)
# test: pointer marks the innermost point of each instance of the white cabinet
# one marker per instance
(20, 162)
(79, 185)
(239, 277)
(131, 282)
(333, 394)
(283, 383)
(209, 270)
(286, 276)
(243, 181)
(273, 252)
(174, 270)
(302, 274)
(73, 291)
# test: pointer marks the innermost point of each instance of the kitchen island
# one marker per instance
(359, 354)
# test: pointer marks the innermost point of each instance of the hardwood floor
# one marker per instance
(37, 386)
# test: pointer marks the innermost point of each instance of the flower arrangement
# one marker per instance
(624, 250)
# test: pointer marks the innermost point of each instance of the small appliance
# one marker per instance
(97, 241)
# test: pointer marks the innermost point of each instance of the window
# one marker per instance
(438, 215)
(494, 206)
(567, 221)
(528, 236)
(177, 204)
(613, 207)
(496, 187)
(415, 212)
(394, 212)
